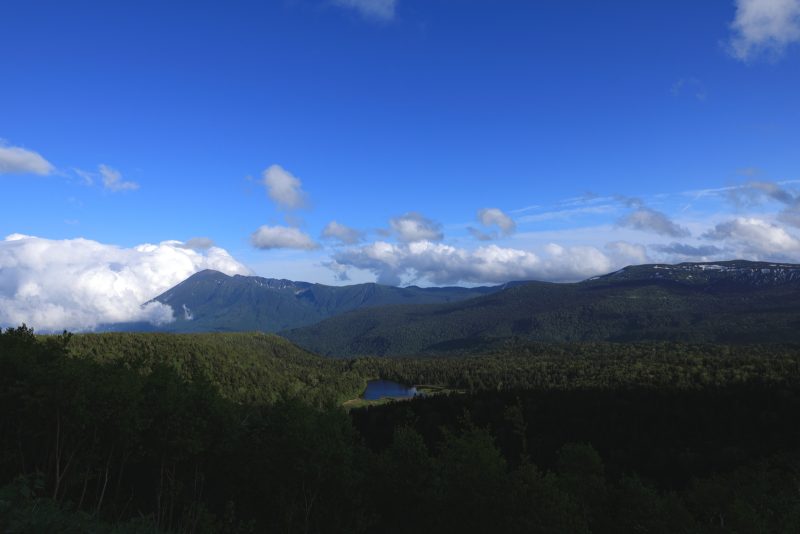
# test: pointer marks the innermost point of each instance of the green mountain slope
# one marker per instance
(727, 302)
(210, 301)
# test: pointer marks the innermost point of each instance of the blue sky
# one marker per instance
(604, 132)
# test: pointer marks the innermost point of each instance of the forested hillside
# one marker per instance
(244, 433)
(245, 367)
(729, 302)
(210, 301)
(158, 433)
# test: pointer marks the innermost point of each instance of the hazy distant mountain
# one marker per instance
(731, 302)
(211, 301)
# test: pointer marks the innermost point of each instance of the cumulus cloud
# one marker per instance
(372, 9)
(438, 263)
(345, 234)
(756, 238)
(112, 180)
(284, 188)
(758, 192)
(775, 192)
(764, 26)
(754, 193)
(270, 237)
(650, 220)
(414, 226)
(198, 243)
(493, 218)
(79, 284)
(16, 160)
(628, 253)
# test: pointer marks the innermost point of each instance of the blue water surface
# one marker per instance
(377, 389)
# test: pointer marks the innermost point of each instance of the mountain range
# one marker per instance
(211, 301)
(723, 302)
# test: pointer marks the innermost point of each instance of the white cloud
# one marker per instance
(270, 237)
(199, 243)
(493, 217)
(628, 253)
(345, 234)
(756, 238)
(16, 160)
(650, 220)
(284, 188)
(373, 9)
(414, 226)
(756, 193)
(78, 284)
(764, 26)
(438, 263)
(112, 180)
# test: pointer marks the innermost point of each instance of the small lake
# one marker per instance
(377, 389)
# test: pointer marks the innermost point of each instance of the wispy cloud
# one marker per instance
(689, 251)
(112, 180)
(568, 213)
(86, 177)
(383, 10)
(690, 86)
(764, 27)
(17, 160)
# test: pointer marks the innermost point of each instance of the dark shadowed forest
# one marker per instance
(246, 433)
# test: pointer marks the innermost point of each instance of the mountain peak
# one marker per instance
(206, 274)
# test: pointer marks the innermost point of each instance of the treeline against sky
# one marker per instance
(245, 433)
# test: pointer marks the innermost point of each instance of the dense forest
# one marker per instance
(246, 433)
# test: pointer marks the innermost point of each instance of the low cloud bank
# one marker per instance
(437, 263)
(79, 284)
